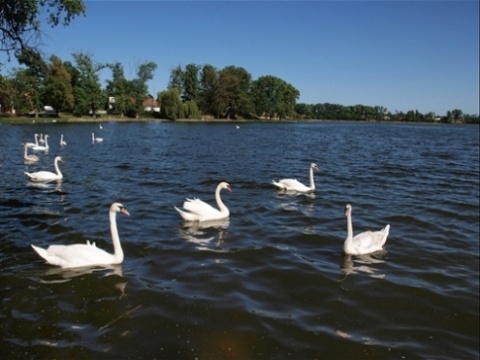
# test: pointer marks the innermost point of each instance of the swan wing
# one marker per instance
(198, 206)
(370, 241)
(42, 176)
(31, 158)
(187, 216)
(279, 185)
(291, 184)
(198, 210)
(77, 255)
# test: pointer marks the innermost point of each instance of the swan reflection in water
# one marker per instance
(293, 193)
(295, 201)
(55, 275)
(54, 185)
(202, 233)
(59, 275)
(353, 264)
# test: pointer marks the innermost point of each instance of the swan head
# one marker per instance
(224, 185)
(119, 208)
(58, 158)
(348, 209)
(314, 166)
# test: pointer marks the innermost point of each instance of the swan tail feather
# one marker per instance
(185, 215)
(386, 231)
(279, 185)
(51, 259)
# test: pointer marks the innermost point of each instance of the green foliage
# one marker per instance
(190, 83)
(126, 97)
(176, 79)
(20, 21)
(172, 107)
(273, 98)
(208, 101)
(191, 111)
(58, 87)
(117, 90)
(27, 92)
(89, 97)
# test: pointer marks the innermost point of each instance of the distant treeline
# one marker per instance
(193, 92)
(328, 111)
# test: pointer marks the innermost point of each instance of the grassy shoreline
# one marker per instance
(105, 119)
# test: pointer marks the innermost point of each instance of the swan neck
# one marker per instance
(117, 247)
(57, 169)
(220, 203)
(349, 228)
(312, 182)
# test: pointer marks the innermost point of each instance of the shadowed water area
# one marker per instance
(270, 282)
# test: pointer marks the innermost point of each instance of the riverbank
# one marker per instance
(104, 119)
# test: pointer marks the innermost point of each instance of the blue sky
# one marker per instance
(403, 55)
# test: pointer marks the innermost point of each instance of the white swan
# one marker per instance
(42, 147)
(295, 185)
(96, 139)
(62, 142)
(30, 144)
(198, 210)
(46, 176)
(29, 157)
(77, 255)
(365, 242)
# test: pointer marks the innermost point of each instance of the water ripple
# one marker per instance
(271, 282)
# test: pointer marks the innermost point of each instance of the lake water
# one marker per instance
(269, 283)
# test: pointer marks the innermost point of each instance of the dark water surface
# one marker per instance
(270, 283)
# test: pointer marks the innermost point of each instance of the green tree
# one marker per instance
(305, 111)
(234, 92)
(208, 102)
(73, 71)
(58, 86)
(138, 87)
(88, 93)
(117, 90)
(379, 113)
(35, 75)
(20, 21)
(273, 98)
(126, 97)
(265, 97)
(191, 111)
(288, 99)
(176, 79)
(27, 92)
(190, 83)
(457, 115)
(430, 117)
(172, 107)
